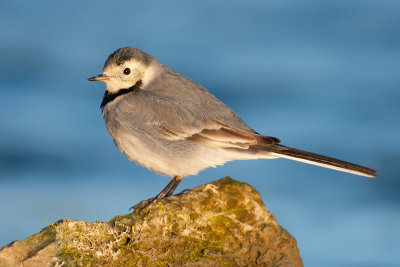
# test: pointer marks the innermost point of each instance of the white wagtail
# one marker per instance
(173, 126)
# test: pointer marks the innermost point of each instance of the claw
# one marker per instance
(173, 202)
(164, 194)
(144, 203)
(141, 206)
(183, 192)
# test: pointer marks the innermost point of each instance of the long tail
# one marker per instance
(319, 160)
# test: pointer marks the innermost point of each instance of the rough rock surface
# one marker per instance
(223, 223)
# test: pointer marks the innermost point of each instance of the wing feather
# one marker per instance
(218, 135)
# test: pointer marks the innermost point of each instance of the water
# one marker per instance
(321, 76)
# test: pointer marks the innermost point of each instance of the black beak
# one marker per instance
(100, 77)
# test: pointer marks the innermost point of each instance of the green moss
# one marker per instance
(212, 224)
(133, 254)
(73, 257)
(195, 249)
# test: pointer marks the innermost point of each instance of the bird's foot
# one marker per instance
(164, 194)
(183, 192)
(141, 206)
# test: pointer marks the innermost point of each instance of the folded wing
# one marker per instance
(219, 135)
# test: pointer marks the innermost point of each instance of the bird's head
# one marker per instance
(126, 67)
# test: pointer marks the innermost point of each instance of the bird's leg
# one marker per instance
(156, 198)
(173, 187)
(176, 180)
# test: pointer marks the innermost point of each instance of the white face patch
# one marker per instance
(123, 76)
(129, 73)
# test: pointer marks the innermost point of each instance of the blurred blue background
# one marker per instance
(323, 76)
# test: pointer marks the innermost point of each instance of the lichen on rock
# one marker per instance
(223, 223)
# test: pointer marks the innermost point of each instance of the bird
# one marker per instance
(173, 126)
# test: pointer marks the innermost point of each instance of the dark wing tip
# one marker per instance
(276, 140)
(267, 140)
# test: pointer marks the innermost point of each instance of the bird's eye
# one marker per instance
(127, 71)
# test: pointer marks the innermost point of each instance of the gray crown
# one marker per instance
(127, 53)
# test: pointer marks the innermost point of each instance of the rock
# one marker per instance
(223, 223)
